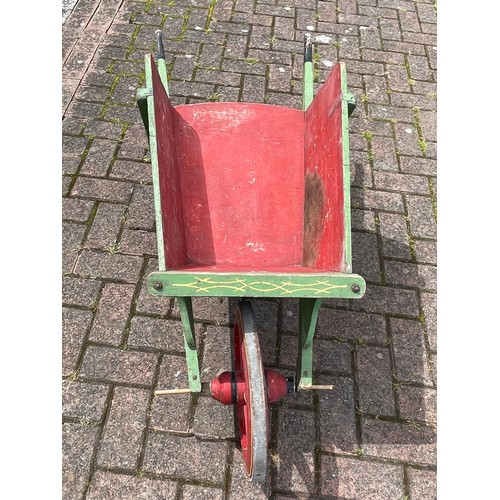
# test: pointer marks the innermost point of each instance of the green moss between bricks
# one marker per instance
(215, 97)
(182, 34)
(112, 248)
(433, 199)
(75, 176)
(210, 15)
(133, 39)
(368, 136)
(421, 139)
(107, 102)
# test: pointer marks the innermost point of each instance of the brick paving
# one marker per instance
(374, 436)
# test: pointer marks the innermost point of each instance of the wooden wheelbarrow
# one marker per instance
(251, 200)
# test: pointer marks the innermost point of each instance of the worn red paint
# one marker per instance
(242, 183)
(252, 186)
(324, 205)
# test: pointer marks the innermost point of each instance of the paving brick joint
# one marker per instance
(374, 436)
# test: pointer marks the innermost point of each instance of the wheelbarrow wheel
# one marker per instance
(252, 408)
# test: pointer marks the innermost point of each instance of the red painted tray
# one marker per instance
(243, 188)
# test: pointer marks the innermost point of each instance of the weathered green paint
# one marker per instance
(162, 71)
(255, 284)
(154, 165)
(307, 85)
(193, 367)
(308, 317)
(142, 104)
(143, 93)
(346, 99)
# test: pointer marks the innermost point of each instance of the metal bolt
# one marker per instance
(355, 288)
(158, 286)
(195, 377)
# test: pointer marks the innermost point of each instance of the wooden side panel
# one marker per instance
(168, 176)
(242, 183)
(324, 230)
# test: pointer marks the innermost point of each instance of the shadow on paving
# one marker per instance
(375, 352)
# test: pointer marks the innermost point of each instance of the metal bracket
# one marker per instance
(143, 93)
(142, 103)
(351, 102)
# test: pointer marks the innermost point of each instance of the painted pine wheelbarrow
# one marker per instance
(251, 200)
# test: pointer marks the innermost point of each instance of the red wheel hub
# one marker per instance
(229, 387)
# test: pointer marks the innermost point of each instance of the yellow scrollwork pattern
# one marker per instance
(205, 285)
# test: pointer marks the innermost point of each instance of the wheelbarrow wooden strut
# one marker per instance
(324, 269)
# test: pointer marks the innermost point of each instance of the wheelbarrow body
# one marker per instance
(252, 200)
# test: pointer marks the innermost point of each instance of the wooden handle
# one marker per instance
(159, 44)
(308, 48)
(165, 392)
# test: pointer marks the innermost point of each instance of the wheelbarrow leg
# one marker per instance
(186, 308)
(308, 317)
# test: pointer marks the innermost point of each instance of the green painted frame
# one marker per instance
(310, 288)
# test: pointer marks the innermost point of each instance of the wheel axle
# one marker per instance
(229, 387)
